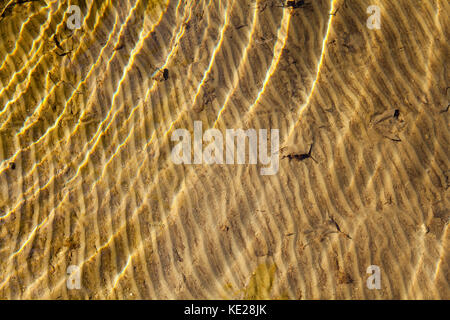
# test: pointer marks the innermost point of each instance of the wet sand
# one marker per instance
(86, 176)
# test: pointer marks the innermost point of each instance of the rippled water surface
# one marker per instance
(86, 175)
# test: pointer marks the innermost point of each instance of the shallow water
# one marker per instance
(87, 177)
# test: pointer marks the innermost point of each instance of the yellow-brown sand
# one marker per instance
(86, 177)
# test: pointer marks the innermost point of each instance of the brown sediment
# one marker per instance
(93, 184)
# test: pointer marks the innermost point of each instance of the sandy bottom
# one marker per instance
(87, 178)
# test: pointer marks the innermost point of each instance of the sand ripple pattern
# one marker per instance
(86, 177)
